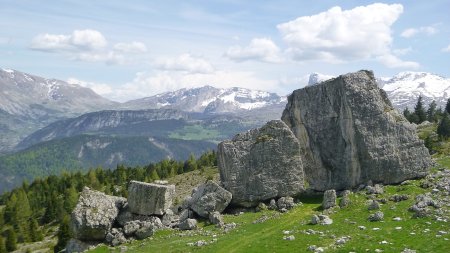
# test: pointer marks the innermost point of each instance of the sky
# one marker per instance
(132, 49)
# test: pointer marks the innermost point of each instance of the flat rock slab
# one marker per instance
(149, 199)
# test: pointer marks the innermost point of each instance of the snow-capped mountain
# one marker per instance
(209, 99)
(404, 88)
(36, 97)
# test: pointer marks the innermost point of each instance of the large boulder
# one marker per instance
(349, 133)
(261, 164)
(94, 215)
(208, 198)
(149, 199)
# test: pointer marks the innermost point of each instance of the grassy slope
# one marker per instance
(268, 236)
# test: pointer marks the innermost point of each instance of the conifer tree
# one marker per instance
(11, 240)
(63, 234)
(419, 110)
(35, 232)
(407, 114)
(443, 129)
(447, 106)
(2, 245)
(431, 112)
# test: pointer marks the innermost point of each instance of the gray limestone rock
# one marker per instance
(329, 199)
(349, 133)
(169, 218)
(94, 214)
(285, 203)
(188, 224)
(272, 205)
(115, 237)
(216, 219)
(376, 189)
(186, 214)
(345, 200)
(209, 197)
(148, 199)
(261, 164)
(147, 229)
(377, 216)
(373, 205)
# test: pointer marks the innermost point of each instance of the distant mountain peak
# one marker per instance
(208, 99)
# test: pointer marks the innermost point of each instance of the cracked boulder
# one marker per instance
(149, 199)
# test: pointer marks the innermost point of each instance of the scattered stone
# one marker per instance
(186, 214)
(283, 210)
(115, 237)
(376, 189)
(376, 229)
(146, 230)
(377, 216)
(398, 198)
(261, 207)
(208, 198)
(286, 232)
(169, 218)
(321, 219)
(384, 242)
(362, 227)
(345, 200)
(273, 205)
(149, 199)
(216, 219)
(396, 219)
(315, 220)
(373, 205)
(285, 202)
(329, 199)
(229, 226)
(289, 238)
(131, 227)
(342, 240)
(406, 250)
(398, 228)
(94, 214)
(339, 120)
(188, 224)
(261, 164)
(383, 200)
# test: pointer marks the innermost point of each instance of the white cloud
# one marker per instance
(262, 49)
(133, 47)
(427, 30)
(446, 49)
(392, 61)
(108, 57)
(79, 40)
(338, 35)
(402, 51)
(186, 63)
(99, 88)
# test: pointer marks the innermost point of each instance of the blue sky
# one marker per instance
(131, 49)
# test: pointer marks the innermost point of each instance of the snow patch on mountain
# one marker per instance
(315, 78)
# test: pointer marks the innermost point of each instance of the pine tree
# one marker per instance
(420, 111)
(431, 112)
(447, 106)
(63, 234)
(2, 245)
(407, 114)
(35, 232)
(443, 129)
(11, 240)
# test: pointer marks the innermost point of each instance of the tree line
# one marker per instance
(28, 209)
(432, 114)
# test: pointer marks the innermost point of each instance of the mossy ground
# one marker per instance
(421, 234)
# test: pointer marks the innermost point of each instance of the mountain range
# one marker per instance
(48, 124)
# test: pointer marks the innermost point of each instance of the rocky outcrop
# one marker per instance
(261, 164)
(94, 215)
(349, 133)
(208, 198)
(329, 199)
(149, 199)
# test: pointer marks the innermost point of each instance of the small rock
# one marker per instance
(329, 199)
(229, 226)
(325, 220)
(289, 238)
(261, 207)
(376, 229)
(398, 228)
(285, 202)
(396, 219)
(398, 198)
(188, 224)
(376, 189)
(373, 205)
(377, 216)
(315, 220)
(362, 227)
(216, 219)
(286, 232)
(383, 242)
(272, 205)
(345, 200)
(406, 250)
